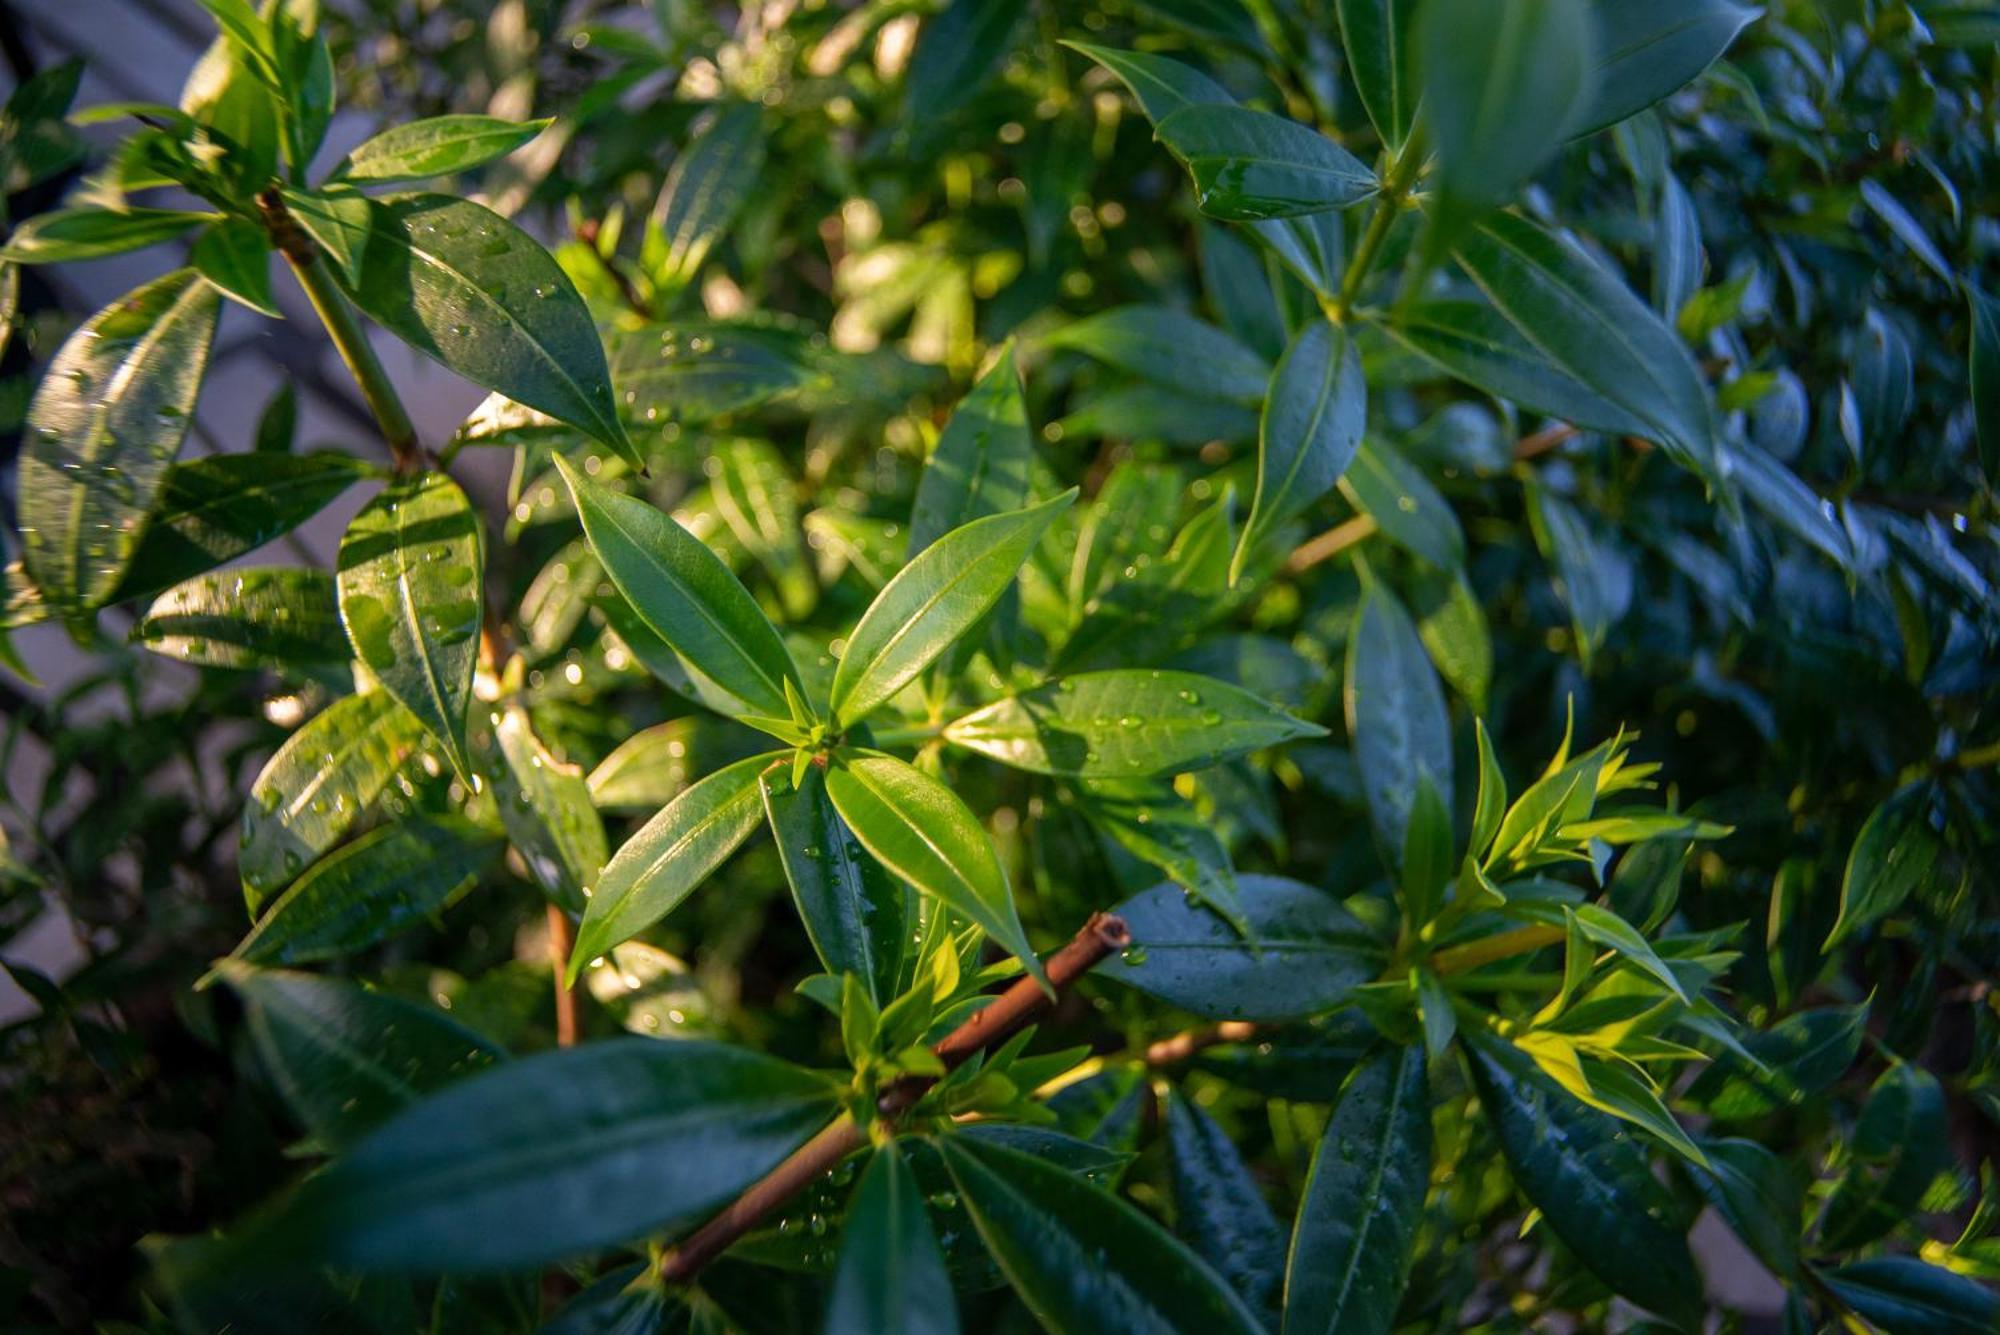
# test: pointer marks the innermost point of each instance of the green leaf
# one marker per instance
(1793, 1060)
(891, 1279)
(1503, 84)
(1249, 165)
(278, 425)
(383, 883)
(690, 372)
(1452, 624)
(1676, 248)
(685, 594)
(1159, 606)
(981, 462)
(102, 430)
(1395, 716)
(1983, 370)
(711, 180)
(1893, 855)
(669, 857)
(1311, 427)
(319, 783)
(1901, 1143)
(1218, 1207)
(1612, 932)
(1905, 1296)
(1131, 724)
(464, 286)
(1588, 323)
(1302, 955)
(1591, 1181)
(1411, 513)
(754, 492)
(345, 1057)
(852, 909)
(1647, 50)
(1162, 86)
(338, 218)
(651, 1134)
(411, 566)
(1757, 1195)
(235, 256)
(1905, 227)
(1155, 824)
(1362, 1201)
(1169, 348)
(940, 595)
(1474, 342)
(1081, 1258)
(62, 235)
(546, 808)
(437, 146)
(1593, 576)
(249, 617)
(213, 510)
(1379, 38)
(1790, 503)
(921, 831)
(956, 52)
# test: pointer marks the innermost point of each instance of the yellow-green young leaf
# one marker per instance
(707, 186)
(940, 595)
(1379, 40)
(891, 1278)
(437, 146)
(1411, 513)
(1901, 1143)
(1081, 1258)
(317, 785)
(1219, 1207)
(684, 594)
(1170, 348)
(461, 284)
(235, 255)
(1491, 804)
(653, 1135)
(1125, 725)
(1586, 321)
(853, 910)
(1313, 417)
(1250, 165)
(670, 856)
(1502, 86)
(1302, 953)
(1592, 1183)
(1395, 716)
(1646, 50)
(383, 883)
(346, 1057)
(1983, 370)
(920, 830)
(264, 616)
(411, 571)
(547, 810)
(1362, 1201)
(981, 462)
(754, 492)
(62, 235)
(1892, 856)
(102, 430)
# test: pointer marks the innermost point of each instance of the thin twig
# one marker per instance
(562, 939)
(1330, 544)
(1190, 1041)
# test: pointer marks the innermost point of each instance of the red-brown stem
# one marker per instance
(1023, 1000)
(1544, 440)
(1188, 1042)
(569, 1018)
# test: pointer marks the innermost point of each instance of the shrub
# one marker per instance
(1372, 613)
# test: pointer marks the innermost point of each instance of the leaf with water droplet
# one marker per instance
(853, 910)
(435, 146)
(892, 1274)
(247, 617)
(1311, 427)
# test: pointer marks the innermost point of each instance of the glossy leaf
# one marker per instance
(235, 256)
(940, 595)
(1411, 513)
(852, 909)
(1591, 1182)
(263, 616)
(711, 180)
(1302, 955)
(547, 809)
(1081, 1258)
(436, 146)
(348, 1058)
(463, 285)
(63, 235)
(1218, 1209)
(684, 594)
(1395, 716)
(1314, 414)
(1125, 725)
(651, 1133)
(1362, 1202)
(1250, 165)
(694, 372)
(1904, 1296)
(1155, 824)
(411, 566)
(669, 858)
(103, 429)
(891, 1279)
(311, 792)
(338, 218)
(1900, 1144)
(754, 491)
(1588, 323)
(1646, 50)
(383, 883)
(1786, 1064)
(1162, 86)
(981, 462)
(1379, 39)
(1169, 348)
(921, 831)
(1893, 856)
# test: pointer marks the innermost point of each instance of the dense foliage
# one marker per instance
(1445, 547)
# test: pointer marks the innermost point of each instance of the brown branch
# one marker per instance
(562, 939)
(1023, 1000)
(1541, 442)
(1190, 1041)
